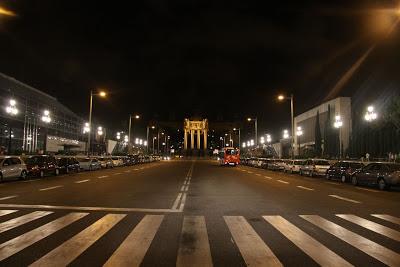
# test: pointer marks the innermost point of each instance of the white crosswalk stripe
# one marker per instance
(195, 246)
(253, 249)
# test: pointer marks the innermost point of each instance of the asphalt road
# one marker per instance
(196, 213)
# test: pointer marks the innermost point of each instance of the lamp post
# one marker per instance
(101, 94)
(147, 136)
(370, 116)
(282, 98)
(338, 125)
(12, 110)
(130, 126)
(255, 127)
(154, 138)
(46, 119)
(238, 129)
(299, 133)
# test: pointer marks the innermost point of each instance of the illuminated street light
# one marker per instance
(262, 140)
(118, 135)
(244, 145)
(248, 143)
(86, 128)
(100, 130)
(255, 127)
(370, 115)
(291, 98)
(269, 139)
(46, 116)
(145, 143)
(299, 131)
(102, 94)
(126, 139)
(140, 142)
(136, 141)
(6, 12)
(338, 122)
(285, 134)
(12, 109)
(252, 142)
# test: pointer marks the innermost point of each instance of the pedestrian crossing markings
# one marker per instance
(253, 248)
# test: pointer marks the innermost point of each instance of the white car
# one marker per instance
(12, 167)
(293, 166)
(117, 161)
(106, 162)
(89, 164)
(315, 167)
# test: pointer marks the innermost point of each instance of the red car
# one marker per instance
(229, 156)
(42, 165)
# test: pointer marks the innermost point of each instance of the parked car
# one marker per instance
(117, 161)
(89, 164)
(12, 167)
(42, 165)
(106, 162)
(276, 165)
(314, 167)
(293, 166)
(344, 170)
(382, 174)
(68, 164)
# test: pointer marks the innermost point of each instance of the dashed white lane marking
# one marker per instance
(182, 202)
(183, 188)
(372, 226)
(283, 182)
(388, 218)
(50, 188)
(367, 246)
(318, 252)
(249, 172)
(369, 190)
(21, 242)
(82, 181)
(176, 202)
(9, 197)
(333, 183)
(127, 171)
(345, 199)
(197, 253)
(267, 177)
(133, 249)
(305, 188)
(103, 176)
(117, 173)
(253, 249)
(136, 169)
(71, 249)
(258, 174)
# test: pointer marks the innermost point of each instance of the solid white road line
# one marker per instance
(196, 253)
(283, 182)
(388, 218)
(267, 177)
(182, 202)
(9, 197)
(50, 188)
(183, 188)
(108, 209)
(82, 181)
(305, 188)
(21, 242)
(367, 246)
(176, 202)
(345, 199)
(103, 176)
(72, 248)
(253, 249)
(318, 252)
(10, 224)
(5, 212)
(367, 189)
(372, 226)
(133, 249)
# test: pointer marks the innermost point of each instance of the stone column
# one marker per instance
(198, 139)
(185, 139)
(205, 139)
(191, 139)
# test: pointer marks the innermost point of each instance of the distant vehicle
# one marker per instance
(117, 161)
(105, 162)
(379, 173)
(89, 164)
(344, 170)
(42, 165)
(293, 166)
(276, 165)
(229, 156)
(314, 167)
(68, 164)
(12, 167)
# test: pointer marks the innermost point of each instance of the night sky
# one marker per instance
(224, 60)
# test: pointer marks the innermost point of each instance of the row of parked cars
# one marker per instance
(44, 165)
(381, 174)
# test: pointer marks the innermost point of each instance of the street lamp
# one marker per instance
(244, 145)
(118, 135)
(299, 133)
(262, 140)
(338, 125)
(370, 115)
(13, 111)
(147, 135)
(285, 134)
(100, 131)
(154, 138)
(252, 142)
(46, 116)
(282, 98)
(101, 94)
(269, 139)
(130, 125)
(238, 129)
(255, 126)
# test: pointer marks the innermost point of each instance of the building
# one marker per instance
(32, 121)
(335, 124)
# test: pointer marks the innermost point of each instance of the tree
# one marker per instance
(393, 112)
(318, 141)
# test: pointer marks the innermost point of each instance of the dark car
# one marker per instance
(343, 170)
(68, 164)
(42, 165)
(382, 174)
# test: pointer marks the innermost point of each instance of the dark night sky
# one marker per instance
(171, 59)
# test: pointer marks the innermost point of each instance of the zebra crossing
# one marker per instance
(195, 247)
